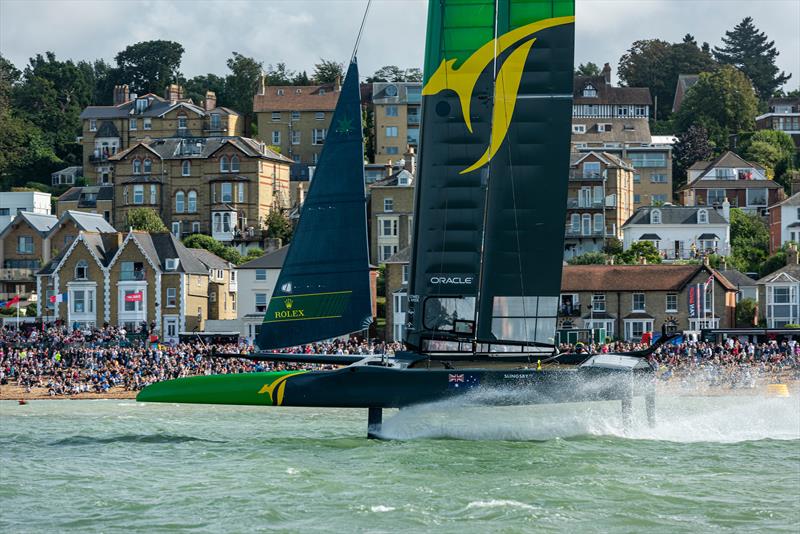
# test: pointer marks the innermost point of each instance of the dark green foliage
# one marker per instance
(773, 263)
(328, 71)
(149, 66)
(751, 51)
(745, 313)
(638, 251)
(772, 149)
(241, 84)
(25, 154)
(253, 253)
(146, 220)
(723, 102)
(278, 226)
(393, 73)
(590, 258)
(692, 146)
(613, 246)
(215, 247)
(749, 241)
(587, 69)
(195, 88)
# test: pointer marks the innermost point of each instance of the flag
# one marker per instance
(709, 281)
(58, 297)
(12, 301)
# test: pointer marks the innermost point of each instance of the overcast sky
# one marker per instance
(299, 32)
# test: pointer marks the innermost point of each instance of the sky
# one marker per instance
(300, 32)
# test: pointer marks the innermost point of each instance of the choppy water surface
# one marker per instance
(712, 464)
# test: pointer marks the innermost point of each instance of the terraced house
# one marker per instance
(222, 186)
(130, 280)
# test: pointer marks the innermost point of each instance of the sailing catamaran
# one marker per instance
(488, 239)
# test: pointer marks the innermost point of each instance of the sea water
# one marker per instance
(711, 464)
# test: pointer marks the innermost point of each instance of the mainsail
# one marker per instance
(492, 184)
(323, 290)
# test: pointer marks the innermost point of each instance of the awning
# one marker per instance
(650, 237)
(707, 237)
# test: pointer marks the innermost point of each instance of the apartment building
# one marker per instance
(107, 130)
(599, 201)
(259, 276)
(14, 202)
(97, 199)
(784, 223)
(397, 115)
(391, 215)
(783, 115)
(779, 293)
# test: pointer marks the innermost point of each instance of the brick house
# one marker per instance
(396, 292)
(97, 199)
(391, 215)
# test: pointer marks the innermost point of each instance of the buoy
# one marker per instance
(538, 365)
(778, 390)
(23, 402)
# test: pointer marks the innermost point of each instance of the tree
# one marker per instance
(149, 66)
(723, 102)
(745, 313)
(210, 244)
(279, 75)
(587, 69)
(9, 75)
(327, 71)
(751, 51)
(638, 251)
(589, 258)
(749, 241)
(253, 253)
(241, 84)
(25, 154)
(692, 146)
(393, 73)
(146, 220)
(773, 263)
(278, 226)
(196, 88)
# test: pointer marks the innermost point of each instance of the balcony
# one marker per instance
(581, 176)
(129, 276)
(16, 274)
(413, 119)
(570, 233)
(576, 203)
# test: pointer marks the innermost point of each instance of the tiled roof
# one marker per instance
(609, 159)
(791, 269)
(287, 98)
(163, 245)
(674, 215)
(403, 256)
(270, 260)
(107, 129)
(201, 148)
(157, 107)
(608, 94)
(90, 222)
(209, 259)
(793, 200)
(38, 221)
(73, 194)
(737, 278)
(658, 277)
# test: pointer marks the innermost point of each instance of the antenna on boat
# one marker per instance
(360, 31)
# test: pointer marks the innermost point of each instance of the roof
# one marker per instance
(162, 246)
(728, 160)
(674, 215)
(74, 169)
(201, 148)
(40, 222)
(732, 184)
(737, 278)
(107, 129)
(270, 260)
(657, 277)
(793, 200)
(609, 159)
(708, 237)
(394, 180)
(73, 194)
(157, 107)
(403, 256)
(209, 259)
(90, 222)
(608, 94)
(655, 237)
(296, 98)
(791, 269)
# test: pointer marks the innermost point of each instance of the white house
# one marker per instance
(257, 280)
(12, 203)
(779, 293)
(784, 222)
(680, 232)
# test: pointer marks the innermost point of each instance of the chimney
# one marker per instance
(726, 209)
(791, 254)
(173, 93)
(337, 85)
(211, 100)
(121, 94)
(410, 159)
(607, 73)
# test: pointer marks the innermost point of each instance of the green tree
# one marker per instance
(241, 84)
(773, 263)
(387, 73)
(146, 220)
(723, 102)
(328, 71)
(278, 226)
(589, 258)
(279, 74)
(253, 253)
(9, 75)
(745, 313)
(195, 88)
(613, 246)
(638, 251)
(751, 51)
(692, 146)
(25, 154)
(215, 247)
(149, 66)
(749, 241)
(587, 69)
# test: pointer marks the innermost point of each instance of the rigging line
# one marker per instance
(360, 31)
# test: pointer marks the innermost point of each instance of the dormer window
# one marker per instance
(172, 264)
(702, 217)
(181, 122)
(655, 217)
(589, 91)
(234, 163)
(82, 270)
(148, 166)
(223, 164)
(137, 166)
(141, 105)
(215, 122)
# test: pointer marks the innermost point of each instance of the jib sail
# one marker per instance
(323, 290)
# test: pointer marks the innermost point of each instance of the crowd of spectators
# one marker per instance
(68, 362)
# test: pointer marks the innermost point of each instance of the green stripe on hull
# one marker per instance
(246, 388)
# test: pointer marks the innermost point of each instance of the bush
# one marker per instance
(590, 258)
(215, 247)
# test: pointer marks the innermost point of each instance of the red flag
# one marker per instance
(133, 297)
(12, 301)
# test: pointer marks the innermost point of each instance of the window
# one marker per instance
(638, 302)
(261, 302)
(388, 205)
(295, 137)
(186, 168)
(192, 205)
(672, 303)
(658, 178)
(648, 159)
(137, 166)
(195, 227)
(599, 302)
(181, 122)
(234, 163)
(387, 251)
(392, 150)
(227, 192)
(637, 198)
(757, 197)
(92, 125)
(579, 128)
(212, 297)
(655, 217)
(240, 189)
(388, 227)
(233, 301)
(215, 121)
(135, 305)
(586, 224)
(125, 194)
(406, 269)
(226, 222)
(180, 200)
(5, 212)
(591, 169)
(82, 270)
(78, 302)
(702, 217)
(217, 222)
(318, 136)
(276, 115)
(295, 115)
(319, 115)
(391, 131)
(131, 270)
(391, 111)
(637, 178)
(172, 297)
(148, 166)
(148, 123)
(25, 244)
(261, 275)
(133, 124)
(176, 229)
(223, 164)
(715, 196)
(138, 194)
(634, 330)
(276, 137)
(598, 223)
(575, 223)
(589, 91)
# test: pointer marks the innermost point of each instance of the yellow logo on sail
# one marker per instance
(276, 388)
(462, 80)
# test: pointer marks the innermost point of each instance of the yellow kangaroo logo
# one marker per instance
(276, 388)
(462, 80)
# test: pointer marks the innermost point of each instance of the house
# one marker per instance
(14, 202)
(779, 293)
(98, 199)
(784, 222)
(783, 115)
(295, 119)
(680, 232)
(225, 187)
(746, 287)
(259, 276)
(397, 108)
(391, 215)
(67, 176)
(132, 280)
(223, 285)
(396, 285)
(629, 300)
(744, 184)
(685, 82)
(599, 201)
(24, 247)
(107, 130)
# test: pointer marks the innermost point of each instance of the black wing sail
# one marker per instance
(323, 290)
